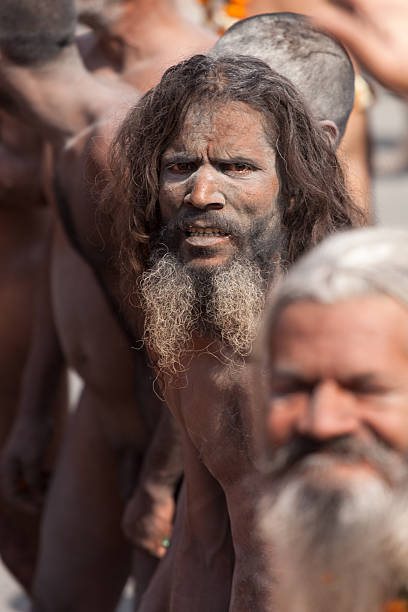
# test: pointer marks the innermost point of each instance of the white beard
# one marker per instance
(336, 548)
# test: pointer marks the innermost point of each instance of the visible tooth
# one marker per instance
(204, 232)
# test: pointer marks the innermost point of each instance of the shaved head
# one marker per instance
(317, 65)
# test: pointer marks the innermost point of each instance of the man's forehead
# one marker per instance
(361, 328)
(227, 123)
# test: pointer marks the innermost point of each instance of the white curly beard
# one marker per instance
(227, 305)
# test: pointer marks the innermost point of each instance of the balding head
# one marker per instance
(35, 31)
(316, 64)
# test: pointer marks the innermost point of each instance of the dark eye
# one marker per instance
(235, 168)
(181, 168)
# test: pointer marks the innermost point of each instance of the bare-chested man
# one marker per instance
(82, 527)
(336, 362)
(224, 204)
(25, 226)
(216, 537)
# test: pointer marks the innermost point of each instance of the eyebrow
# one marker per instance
(183, 157)
(178, 156)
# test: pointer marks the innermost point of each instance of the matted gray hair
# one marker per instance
(346, 265)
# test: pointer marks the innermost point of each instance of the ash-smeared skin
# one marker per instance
(219, 212)
(233, 184)
(220, 173)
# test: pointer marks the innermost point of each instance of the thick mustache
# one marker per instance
(376, 453)
(219, 221)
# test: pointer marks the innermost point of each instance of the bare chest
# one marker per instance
(213, 407)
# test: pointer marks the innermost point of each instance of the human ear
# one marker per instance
(331, 130)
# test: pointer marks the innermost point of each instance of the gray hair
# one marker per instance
(349, 264)
(317, 65)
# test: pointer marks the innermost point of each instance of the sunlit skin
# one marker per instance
(220, 169)
(340, 369)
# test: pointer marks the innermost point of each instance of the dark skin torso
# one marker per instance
(221, 483)
(25, 225)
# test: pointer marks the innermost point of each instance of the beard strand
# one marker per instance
(178, 303)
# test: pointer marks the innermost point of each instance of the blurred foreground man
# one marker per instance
(336, 350)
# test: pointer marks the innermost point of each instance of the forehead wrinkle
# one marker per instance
(219, 148)
(197, 117)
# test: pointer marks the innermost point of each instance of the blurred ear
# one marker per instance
(332, 132)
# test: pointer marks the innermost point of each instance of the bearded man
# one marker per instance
(220, 179)
(305, 199)
(334, 349)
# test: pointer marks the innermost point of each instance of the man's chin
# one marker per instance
(207, 263)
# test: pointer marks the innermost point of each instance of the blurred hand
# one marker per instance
(376, 32)
(23, 478)
(148, 519)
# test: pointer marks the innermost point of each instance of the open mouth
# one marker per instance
(205, 237)
(205, 232)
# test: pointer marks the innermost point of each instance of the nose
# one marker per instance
(329, 413)
(204, 190)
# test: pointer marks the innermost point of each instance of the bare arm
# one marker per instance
(149, 514)
(23, 460)
(376, 33)
(49, 87)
